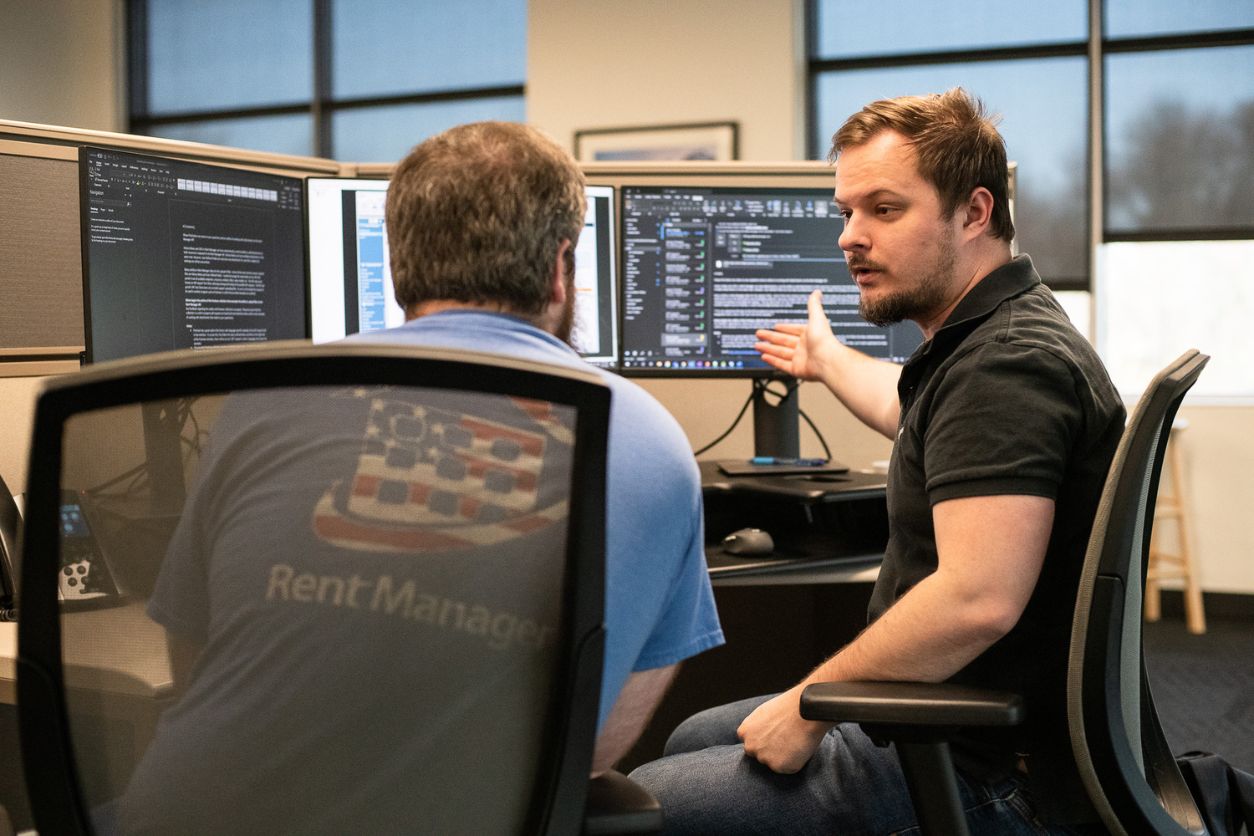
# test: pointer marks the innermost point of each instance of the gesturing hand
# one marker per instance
(776, 735)
(800, 350)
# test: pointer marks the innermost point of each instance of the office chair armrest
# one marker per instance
(618, 805)
(910, 704)
(919, 718)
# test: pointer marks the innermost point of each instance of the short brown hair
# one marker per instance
(477, 213)
(956, 143)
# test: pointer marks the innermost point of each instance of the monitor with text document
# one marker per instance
(179, 254)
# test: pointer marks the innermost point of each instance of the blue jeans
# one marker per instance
(706, 784)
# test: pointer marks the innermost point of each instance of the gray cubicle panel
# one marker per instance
(41, 321)
(40, 254)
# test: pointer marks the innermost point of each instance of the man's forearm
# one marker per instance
(633, 708)
(927, 636)
(989, 551)
(867, 387)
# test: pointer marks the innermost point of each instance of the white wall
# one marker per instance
(605, 64)
(61, 63)
(1217, 451)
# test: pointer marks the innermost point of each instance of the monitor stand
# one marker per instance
(776, 426)
(163, 429)
(777, 437)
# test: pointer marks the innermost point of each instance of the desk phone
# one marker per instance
(84, 577)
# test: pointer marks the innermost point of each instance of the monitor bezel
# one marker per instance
(809, 175)
(87, 356)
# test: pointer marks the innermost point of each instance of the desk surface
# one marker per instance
(804, 488)
(827, 528)
(850, 554)
(135, 647)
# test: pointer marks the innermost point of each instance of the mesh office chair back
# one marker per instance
(313, 590)
(1123, 757)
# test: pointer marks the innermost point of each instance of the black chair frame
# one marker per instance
(56, 799)
(1129, 773)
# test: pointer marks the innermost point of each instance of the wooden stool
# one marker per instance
(1177, 565)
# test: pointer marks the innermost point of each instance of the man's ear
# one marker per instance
(557, 284)
(978, 212)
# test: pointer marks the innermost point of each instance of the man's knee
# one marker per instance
(712, 727)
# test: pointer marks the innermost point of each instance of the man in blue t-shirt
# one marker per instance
(483, 221)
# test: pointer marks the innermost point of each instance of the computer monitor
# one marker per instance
(704, 267)
(350, 280)
(596, 285)
(179, 254)
(712, 254)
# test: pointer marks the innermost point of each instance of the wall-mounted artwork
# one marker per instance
(713, 141)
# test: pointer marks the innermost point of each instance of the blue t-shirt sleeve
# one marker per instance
(689, 621)
(180, 599)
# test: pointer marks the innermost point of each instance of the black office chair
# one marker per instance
(1126, 767)
(285, 588)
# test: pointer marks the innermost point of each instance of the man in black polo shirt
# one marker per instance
(1005, 423)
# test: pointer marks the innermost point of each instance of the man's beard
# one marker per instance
(566, 324)
(925, 297)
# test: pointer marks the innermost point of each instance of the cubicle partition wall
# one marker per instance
(41, 250)
(41, 320)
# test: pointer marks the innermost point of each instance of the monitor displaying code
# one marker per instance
(705, 267)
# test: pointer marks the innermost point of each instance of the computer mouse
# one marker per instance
(748, 541)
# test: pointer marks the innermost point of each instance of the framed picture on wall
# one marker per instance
(693, 141)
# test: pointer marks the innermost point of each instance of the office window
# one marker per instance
(1177, 104)
(901, 27)
(379, 50)
(1160, 313)
(1044, 135)
(1143, 18)
(1179, 145)
(228, 55)
(381, 134)
(347, 79)
(287, 134)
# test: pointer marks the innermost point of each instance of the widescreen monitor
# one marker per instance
(704, 267)
(179, 254)
(350, 280)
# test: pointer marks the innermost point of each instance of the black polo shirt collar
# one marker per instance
(1006, 282)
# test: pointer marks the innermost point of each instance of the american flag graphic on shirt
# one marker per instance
(430, 479)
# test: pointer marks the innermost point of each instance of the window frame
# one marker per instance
(322, 107)
(1094, 48)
